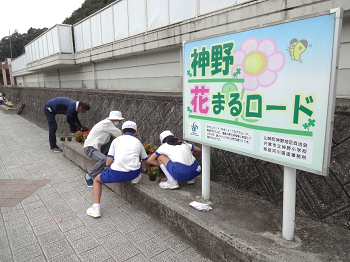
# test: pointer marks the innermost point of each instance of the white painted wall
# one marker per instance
(343, 85)
(152, 61)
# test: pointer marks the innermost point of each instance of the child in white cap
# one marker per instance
(123, 161)
(98, 142)
(176, 159)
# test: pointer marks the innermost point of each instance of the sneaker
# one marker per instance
(169, 185)
(88, 182)
(136, 180)
(56, 149)
(190, 182)
(93, 213)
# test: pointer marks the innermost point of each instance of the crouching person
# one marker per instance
(123, 162)
(176, 159)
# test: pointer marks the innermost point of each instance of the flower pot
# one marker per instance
(152, 177)
(63, 139)
(78, 139)
(69, 138)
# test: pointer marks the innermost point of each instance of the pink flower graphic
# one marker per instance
(259, 63)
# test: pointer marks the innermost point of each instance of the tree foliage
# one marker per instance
(87, 8)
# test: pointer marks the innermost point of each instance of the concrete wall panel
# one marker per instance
(343, 84)
(87, 68)
(160, 84)
(345, 35)
(344, 56)
(158, 70)
(77, 84)
(88, 84)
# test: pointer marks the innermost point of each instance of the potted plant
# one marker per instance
(81, 136)
(78, 136)
(63, 138)
(153, 171)
(69, 138)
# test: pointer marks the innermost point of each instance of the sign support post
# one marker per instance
(205, 172)
(289, 191)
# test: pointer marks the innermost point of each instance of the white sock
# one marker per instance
(95, 206)
(88, 177)
(166, 173)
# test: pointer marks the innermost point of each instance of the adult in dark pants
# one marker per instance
(65, 106)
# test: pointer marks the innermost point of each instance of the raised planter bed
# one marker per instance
(9, 110)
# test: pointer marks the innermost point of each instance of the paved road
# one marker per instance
(51, 224)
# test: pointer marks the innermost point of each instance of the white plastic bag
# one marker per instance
(200, 206)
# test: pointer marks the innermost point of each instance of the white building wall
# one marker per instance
(151, 61)
(343, 88)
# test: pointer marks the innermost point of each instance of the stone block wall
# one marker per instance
(325, 198)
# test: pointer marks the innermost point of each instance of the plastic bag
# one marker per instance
(200, 206)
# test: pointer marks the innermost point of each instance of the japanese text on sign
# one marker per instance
(230, 135)
(287, 147)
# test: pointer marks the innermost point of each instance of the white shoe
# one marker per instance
(94, 213)
(137, 179)
(190, 182)
(169, 185)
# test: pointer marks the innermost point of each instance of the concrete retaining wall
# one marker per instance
(327, 198)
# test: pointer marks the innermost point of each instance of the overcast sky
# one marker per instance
(23, 14)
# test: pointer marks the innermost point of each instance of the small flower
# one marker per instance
(259, 63)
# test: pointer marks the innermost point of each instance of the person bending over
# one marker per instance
(65, 106)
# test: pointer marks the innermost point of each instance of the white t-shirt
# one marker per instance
(127, 151)
(101, 133)
(179, 153)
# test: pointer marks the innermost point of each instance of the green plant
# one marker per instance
(153, 170)
(149, 149)
(81, 136)
(8, 104)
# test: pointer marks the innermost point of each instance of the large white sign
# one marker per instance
(266, 93)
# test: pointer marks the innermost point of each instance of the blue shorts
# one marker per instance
(181, 172)
(112, 176)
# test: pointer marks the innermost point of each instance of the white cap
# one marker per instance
(115, 115)
(129, 124)
(164, 134)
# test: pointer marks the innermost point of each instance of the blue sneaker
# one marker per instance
(88, 182)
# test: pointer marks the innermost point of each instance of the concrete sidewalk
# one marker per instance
(48, 221)
(240, 227)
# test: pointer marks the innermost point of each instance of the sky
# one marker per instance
(23, 14)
